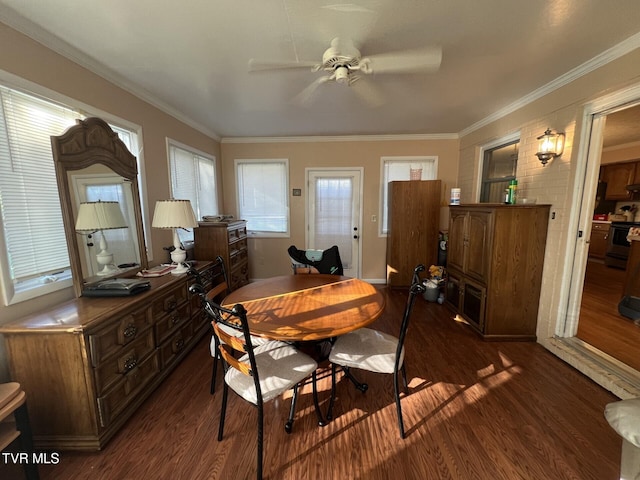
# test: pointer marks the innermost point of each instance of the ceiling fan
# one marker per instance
(343, 63)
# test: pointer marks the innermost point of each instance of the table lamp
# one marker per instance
(99, 216)
(175, 214)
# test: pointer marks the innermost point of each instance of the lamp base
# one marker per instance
(178, 256)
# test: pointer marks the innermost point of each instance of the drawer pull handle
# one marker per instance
(175, 318)
(130, 331)
(130, 363)
(179, 344)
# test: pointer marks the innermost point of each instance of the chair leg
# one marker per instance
(404, 380)
(260, 427)
(213, 373)
(398, 405)
(363, 387)
(314, 379)
(329, 414)
(292, 411)
(223, 410)
(26, 438)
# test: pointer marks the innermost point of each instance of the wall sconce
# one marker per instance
(550, 145)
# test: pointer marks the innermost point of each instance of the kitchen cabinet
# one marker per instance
(228, 240)
(88, 364)
(599, 240)
(413, 227)
(494, 263)
(618, 176)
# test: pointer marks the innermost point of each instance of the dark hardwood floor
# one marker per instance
(600, 323)
(475, 410)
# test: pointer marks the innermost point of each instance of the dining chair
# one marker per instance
(258, 374)
(375, 351)
(219, 290)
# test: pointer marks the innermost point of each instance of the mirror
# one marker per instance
(94, 166)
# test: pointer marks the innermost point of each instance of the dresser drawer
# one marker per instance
(176, 344)
(238, 257)
(239, 276)
(109, 341)
(170, 322)
(130, 355)
(127, 389)
(169, 302)
(235, 234)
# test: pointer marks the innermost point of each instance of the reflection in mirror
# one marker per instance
(106, 187)
(94, 166)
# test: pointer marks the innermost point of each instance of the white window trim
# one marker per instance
(383, 183)
(512, 137)
(64, 280)
(256, 234)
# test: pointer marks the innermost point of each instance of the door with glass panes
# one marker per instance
(333, 214)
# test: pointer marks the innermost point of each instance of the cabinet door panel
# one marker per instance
(478, 245)
(618, 176)
(457, 240)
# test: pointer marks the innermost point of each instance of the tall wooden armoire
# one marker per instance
(414, 222)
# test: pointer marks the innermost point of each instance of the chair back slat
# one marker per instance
(235, 342)
(221, 288)
(227, 354)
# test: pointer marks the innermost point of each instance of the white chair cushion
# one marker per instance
(280, 367)
(255, 340)
(624, 418)
(366, 349)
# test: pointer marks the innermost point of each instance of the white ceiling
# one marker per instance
(191, 57)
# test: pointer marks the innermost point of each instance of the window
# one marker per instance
(262, 196)
(34, 259)
(403, 168)
(498, 168)
(193, 178)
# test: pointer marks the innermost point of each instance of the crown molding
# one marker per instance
(70, 52)
(342, 138)
(596, 62)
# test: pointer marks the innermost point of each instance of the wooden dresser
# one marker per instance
(86, 365)
(494, 267)
(228, 240)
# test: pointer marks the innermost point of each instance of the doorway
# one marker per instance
(597, 288)
(334, 205)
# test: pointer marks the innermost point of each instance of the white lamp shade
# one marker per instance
(93, 216)
(174, 214)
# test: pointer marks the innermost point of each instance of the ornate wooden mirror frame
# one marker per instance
(84, 145)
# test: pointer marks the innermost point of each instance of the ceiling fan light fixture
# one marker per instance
(342, 75)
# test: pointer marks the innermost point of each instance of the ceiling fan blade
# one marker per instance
(264, 65)
(422, 60)
(368, 92)
(304, 98)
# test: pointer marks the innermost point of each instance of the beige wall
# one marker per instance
(559, 182)
(268, 256)
(34, 63)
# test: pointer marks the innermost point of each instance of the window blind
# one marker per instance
(31, 212)
(262, 195)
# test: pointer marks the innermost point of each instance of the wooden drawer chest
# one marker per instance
(89, 363)
(228, 240)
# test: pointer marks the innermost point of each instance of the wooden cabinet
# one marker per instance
(228, 240)
(618, 176)
(88, 364)
(413, 225)
(494, 263)
(599, 240)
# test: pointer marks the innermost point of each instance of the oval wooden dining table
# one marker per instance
(307, 307)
